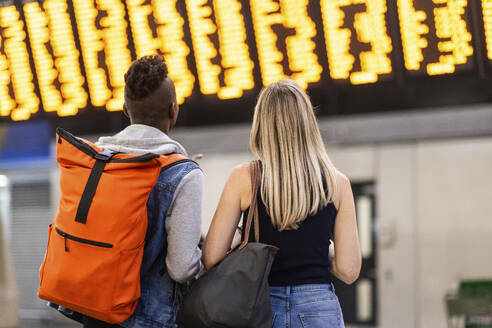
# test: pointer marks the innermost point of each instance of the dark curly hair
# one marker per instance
(144, 76)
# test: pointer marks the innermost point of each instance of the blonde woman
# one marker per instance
(304, 202)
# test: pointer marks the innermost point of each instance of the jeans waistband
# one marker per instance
(301, 288)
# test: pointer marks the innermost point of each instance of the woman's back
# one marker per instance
(303, 253)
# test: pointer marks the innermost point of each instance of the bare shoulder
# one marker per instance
(240, 178)
(342, 180)
(343, 188)
(240, 171)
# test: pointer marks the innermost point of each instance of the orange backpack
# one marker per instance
(95, 243)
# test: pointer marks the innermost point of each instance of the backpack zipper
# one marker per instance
(81, 240)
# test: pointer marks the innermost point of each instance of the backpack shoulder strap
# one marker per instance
(167, 161)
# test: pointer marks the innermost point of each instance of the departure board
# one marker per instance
(63, 58)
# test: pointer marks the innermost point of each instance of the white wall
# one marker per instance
(216, 168)
(396, 209)
(454, 227)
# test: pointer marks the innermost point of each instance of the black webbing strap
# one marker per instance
(102, 159)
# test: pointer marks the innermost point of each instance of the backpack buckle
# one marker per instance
(105, 155)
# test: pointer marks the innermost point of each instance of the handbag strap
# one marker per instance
(253, 208)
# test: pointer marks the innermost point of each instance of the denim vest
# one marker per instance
(158, 303)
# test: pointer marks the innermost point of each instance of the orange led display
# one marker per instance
(173, 47)
(169, 41)
(15, 69)
(370, 28)
(487, 19)
(118, 57)
(455, 44)
(201, 26)
(50, 27)
(92, 45)
(453, 37)
(144, 41)
(302, 60)
(413, 31)
(110, 41)
(237, 66)
(265, 15)
(209, 43)
(39, 35)
(236, 61)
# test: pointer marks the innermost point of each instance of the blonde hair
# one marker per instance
(298, 177)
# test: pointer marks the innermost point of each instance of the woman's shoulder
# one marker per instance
(342, 187)
(241, 171)
(240, 178)
(341, 179)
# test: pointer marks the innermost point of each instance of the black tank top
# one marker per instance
(303, 255)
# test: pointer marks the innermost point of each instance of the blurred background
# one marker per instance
(402, 89)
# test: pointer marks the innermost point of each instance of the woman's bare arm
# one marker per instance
(227, 215)
(347, 261)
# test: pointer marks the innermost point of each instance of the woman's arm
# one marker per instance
(227, 215)
(347, 262)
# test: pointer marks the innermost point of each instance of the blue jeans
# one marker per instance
(306, 306)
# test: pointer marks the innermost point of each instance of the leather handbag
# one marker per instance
(235, 292)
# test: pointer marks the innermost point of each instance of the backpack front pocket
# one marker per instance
(79, 287)
(81, 240)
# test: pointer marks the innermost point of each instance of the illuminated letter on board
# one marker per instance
(168, 26)
(370, 28)
(235, 63)
(57, 67)
(454, 46)
(173, 47)
(302, 60)
(453, 40)
(118, 57)
(102, 33)
(487, 19)
(15, 68)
